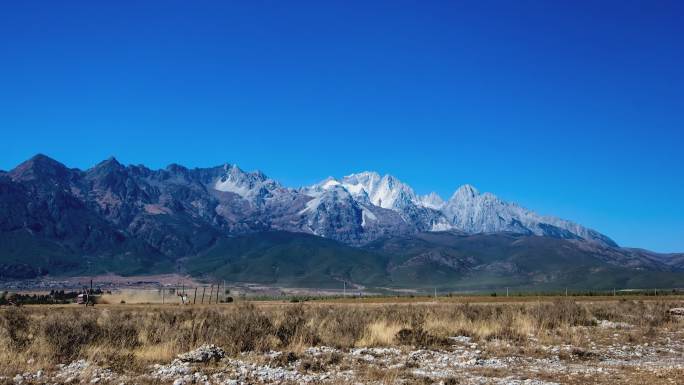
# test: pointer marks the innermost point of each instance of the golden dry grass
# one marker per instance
(380, 333)
(132, 337)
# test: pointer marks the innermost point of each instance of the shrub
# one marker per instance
(119, 331)
(247, 328)
(66, 333)
(419, 338)
(15, 323)
(562, 313)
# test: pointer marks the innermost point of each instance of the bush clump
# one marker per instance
(66, 334)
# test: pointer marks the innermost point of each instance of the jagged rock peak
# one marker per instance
(40, 166)
(432, 200)
(466, 191)
(175, 167)
(109, 164)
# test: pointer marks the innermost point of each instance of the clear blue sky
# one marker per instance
(570, 108)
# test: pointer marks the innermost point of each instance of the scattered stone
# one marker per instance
(167, 372)
(605, 324)
(461, 339)
(83, 369)
(317, 351)
(204, 353)
(462, 360)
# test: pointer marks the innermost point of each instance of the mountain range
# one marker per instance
(367, 228)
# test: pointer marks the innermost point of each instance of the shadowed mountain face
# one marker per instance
(446, 260)
(130, 219)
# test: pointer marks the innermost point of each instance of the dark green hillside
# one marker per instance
(447, 261)
(24, 255)
(289, 259)
(485, 261)
(444, 260)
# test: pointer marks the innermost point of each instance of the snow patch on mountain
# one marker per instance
(367, 215)
(383, 191)
(310, 205)
(431, 200)
(225, 200)
(467, 210)
(350, 204)
(229, 185)
(252, 186)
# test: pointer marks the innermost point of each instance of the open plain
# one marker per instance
(459, 340)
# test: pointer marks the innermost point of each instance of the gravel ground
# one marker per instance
(606, 357)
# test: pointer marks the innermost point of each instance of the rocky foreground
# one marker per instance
(603, 358)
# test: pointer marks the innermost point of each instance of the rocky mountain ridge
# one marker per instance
(225, 200)
(467, 210)
(134, 220)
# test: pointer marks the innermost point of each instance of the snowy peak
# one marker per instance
(465, 192)
(334, 213)
(431, 200)
(467, 210)
(376, 192)
(355, 209)
(386, 191)
(470, 211)
(248, 185)
(330, 196)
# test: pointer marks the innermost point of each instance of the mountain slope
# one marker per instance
(289, 259)
(483, 261)
(449, 261)
(131, 219)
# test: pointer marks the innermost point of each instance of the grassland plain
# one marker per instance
(470, 341)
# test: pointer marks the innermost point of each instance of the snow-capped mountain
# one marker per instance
(432, 200)
(368, 228)
(389, 193)
(467, 210)
(361, 207)
(254, 186)
(334, 212)
(179, 210)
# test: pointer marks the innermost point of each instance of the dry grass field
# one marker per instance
(497, 341)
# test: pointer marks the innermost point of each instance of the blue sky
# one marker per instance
(575, 110)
